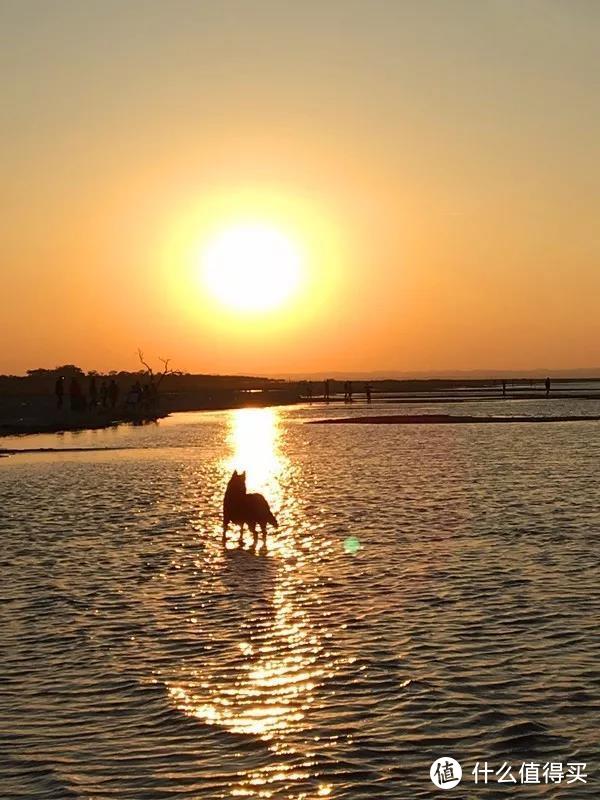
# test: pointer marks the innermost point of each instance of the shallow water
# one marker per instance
(430, 591)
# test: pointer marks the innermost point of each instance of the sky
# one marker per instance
(434, 166)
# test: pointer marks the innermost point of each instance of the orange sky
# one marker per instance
(436, 162)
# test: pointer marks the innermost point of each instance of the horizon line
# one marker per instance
(377, 374)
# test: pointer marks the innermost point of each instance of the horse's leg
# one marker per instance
(241, 534)
(252, 526)
(226, 522)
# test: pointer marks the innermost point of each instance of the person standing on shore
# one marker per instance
(76, 395)
(326, 395)
(113, 393)
(93, 392)
(368, 391)
(503, 388)
(547, 384)
(59, 390)
(104, 393)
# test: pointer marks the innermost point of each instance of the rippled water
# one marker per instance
(430, 591)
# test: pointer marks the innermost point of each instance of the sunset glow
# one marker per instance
(268, 193)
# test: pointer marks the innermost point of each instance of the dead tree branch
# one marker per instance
(148, 367)
(154, 379)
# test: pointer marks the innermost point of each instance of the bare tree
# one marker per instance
(155, 379)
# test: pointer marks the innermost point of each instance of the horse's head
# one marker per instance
(237, 482)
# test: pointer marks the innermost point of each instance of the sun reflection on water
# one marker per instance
(254, 439)
(265, 683)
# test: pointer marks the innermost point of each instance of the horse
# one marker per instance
(242, 508)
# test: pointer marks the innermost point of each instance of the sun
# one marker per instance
(251, 267)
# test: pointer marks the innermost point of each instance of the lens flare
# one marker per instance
(352, 545)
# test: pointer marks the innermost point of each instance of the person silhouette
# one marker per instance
(93, 392)
(504, 388)
(368, 392)
(146, 397)
(134, 397)
(59, 390)
(326, 394)
(113, 393)
(104, 393)
(76, 395)
(547, 384)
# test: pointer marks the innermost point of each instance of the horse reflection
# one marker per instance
(249, 579)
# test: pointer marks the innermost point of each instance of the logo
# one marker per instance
(445, 772)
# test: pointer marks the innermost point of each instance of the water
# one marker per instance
(430, 591)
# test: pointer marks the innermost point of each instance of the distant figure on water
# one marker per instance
(504, 388)
(547, 385)
(368, 391)
(242, 509)
(59, 390)
(326, 392)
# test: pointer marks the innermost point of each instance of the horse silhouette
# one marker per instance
(242, 508)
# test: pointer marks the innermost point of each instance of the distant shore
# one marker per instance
(28, 404)
(443, 419)
(46, 420)
(67, 422)
(31, 405)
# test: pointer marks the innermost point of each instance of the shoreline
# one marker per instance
(98, 421)
(15, 451)
(446, 419)
(89, 423)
